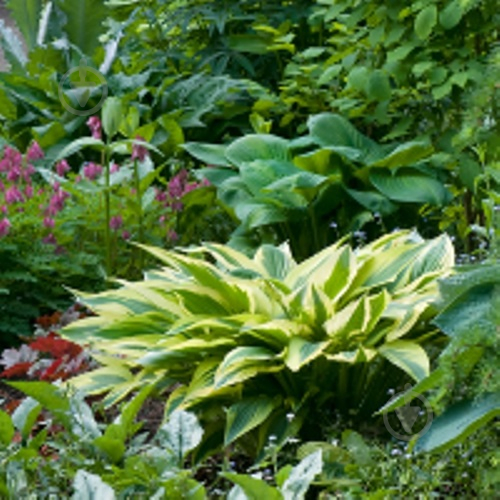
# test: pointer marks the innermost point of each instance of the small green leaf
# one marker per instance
(451, 15)
(252, 488)
(112, 115)
(378, 87)
(7, 430)
(425, 21)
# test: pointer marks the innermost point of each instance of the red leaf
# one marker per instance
(49, 373)
(55, 345)
(19, 369)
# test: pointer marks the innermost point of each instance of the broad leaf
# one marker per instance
(257, 147)
(210, 154)
(244, 416)
(301, 476)
(459, 422)
(181, 434)
(408, 356)
(333, 130)
(409, 187)
(88, 486)
(84, 23)
(251, 488)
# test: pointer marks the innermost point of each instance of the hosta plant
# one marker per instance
(266, 337)
(334, 176)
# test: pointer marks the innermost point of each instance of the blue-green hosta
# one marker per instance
(335, 173)
(267, 336)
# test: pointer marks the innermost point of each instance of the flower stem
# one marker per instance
(107, 210)
(140, 215)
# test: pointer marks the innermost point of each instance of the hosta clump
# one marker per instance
(267, 337)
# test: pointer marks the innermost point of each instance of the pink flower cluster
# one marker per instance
(178, 186)
(95, 126)
(16, 188)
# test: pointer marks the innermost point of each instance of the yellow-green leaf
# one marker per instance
(408, 356)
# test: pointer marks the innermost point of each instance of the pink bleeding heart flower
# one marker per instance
(5, 226)
(139, 152)
(35, 152)
(95, 126)
(62, 167)
(116, 222)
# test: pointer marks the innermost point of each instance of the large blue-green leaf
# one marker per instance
(373, 201)
(257, 147)
(263, 215)
(409, 186)
(458, 422)
(405, 154)
(475, 309)
(216, 176)
(333, 130)
(259, 174)
(211, 154)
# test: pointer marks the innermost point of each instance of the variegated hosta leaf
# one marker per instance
(408, 356)
(316, 270)
(219, 330)
(243, 363)
(244, 416)
(301, 352)
(311, 304)
(275, 262)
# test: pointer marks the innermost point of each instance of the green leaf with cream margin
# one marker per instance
(248, 333)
